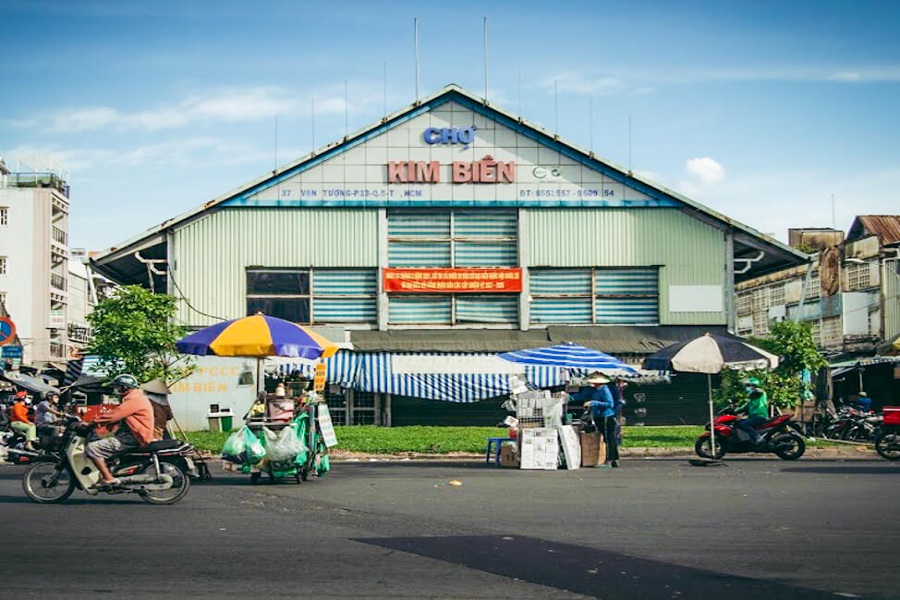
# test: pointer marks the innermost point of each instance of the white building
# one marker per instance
(34, 223)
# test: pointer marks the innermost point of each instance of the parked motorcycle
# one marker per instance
(887, 441)
(781, 435)
(158, 472)
(852, 425)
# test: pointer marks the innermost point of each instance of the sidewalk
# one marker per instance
(829, 453)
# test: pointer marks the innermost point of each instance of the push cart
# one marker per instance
(289, 440)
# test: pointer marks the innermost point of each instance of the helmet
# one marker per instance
(863, 395)
(753, 381)
(21, 394)
(126, 381)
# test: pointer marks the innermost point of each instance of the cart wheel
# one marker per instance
(254, 478)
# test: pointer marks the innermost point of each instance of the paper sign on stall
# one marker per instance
(325, 425)
(571, 446)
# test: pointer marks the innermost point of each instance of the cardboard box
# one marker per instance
(540, 449)
(509, 455)
(593, 449)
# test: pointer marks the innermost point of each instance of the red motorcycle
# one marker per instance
(780, 435)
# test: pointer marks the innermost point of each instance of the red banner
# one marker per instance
(453, 281)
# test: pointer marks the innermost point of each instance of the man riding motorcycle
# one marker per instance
(756, 408)
(135, 418)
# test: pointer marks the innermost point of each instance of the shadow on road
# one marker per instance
(587, 570)
(838, 469)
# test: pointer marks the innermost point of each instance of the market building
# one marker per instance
(447, 232)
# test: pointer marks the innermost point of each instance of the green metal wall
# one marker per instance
(688, 251)
(210, 254)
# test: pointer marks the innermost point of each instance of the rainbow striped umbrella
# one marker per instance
(257, 336)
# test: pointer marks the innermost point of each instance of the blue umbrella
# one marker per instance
(571, 356)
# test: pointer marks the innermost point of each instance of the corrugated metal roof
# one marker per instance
(614, 340)
(886, 227)
(763, 252)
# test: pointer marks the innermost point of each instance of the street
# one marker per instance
(656, 528)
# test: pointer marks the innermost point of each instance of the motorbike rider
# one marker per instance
(21, 421)
(756, 408)
(135, 418)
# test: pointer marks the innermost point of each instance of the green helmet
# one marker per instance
(126, 381)
(753, 381)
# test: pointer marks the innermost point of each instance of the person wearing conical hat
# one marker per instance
(600, 401)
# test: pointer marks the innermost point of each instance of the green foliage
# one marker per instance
(132, 332)
(794, 343)
(368, 439)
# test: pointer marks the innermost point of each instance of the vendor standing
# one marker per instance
(600, 401)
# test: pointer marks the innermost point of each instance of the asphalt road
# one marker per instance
(656, 528)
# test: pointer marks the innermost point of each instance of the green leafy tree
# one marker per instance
(794, 343)
(132, 332)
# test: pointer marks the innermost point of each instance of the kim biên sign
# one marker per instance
(486, 170)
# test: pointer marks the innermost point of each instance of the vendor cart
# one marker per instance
(288, 441)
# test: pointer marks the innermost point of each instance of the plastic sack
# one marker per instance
(243, 447)
(285, 445)
(234, 447)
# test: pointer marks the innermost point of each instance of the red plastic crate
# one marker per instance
(891, 415)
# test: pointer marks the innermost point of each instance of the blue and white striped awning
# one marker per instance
(374, 372)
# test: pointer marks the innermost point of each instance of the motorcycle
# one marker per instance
(158, 473)
(887, 441)
(13, 450)
(852, 425)
(781, 435)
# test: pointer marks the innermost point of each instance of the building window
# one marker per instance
(776, 294)
(2, 265)
(4, 215)
(744, 303)
(594, 296)
(313, 296)
(813, 287)
(760, 323)
(858, 276)
(457, 238)
(832, 332)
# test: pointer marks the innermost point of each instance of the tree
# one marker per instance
(794, 343)
(133, 332)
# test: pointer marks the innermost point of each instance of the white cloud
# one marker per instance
(703, 174)
(706, 170)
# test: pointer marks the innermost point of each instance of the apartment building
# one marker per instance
(34, 253)
(850, 291)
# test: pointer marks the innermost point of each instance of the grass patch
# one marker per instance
(443, 440)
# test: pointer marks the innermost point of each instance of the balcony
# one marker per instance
(58, 351)
(58, 282)
(79, 334)
(60, 236)
(39, 180)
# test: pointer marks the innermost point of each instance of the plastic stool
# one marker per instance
(493, 447)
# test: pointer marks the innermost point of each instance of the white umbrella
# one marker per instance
(710, 354)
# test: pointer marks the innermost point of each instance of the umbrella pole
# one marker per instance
(712, 424)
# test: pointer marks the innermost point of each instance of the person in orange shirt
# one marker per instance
(135, 418)
(20, 421)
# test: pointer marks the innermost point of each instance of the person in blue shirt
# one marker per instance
(864, 402)
(601, 404)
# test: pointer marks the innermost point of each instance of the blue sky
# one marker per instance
(762, 110)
